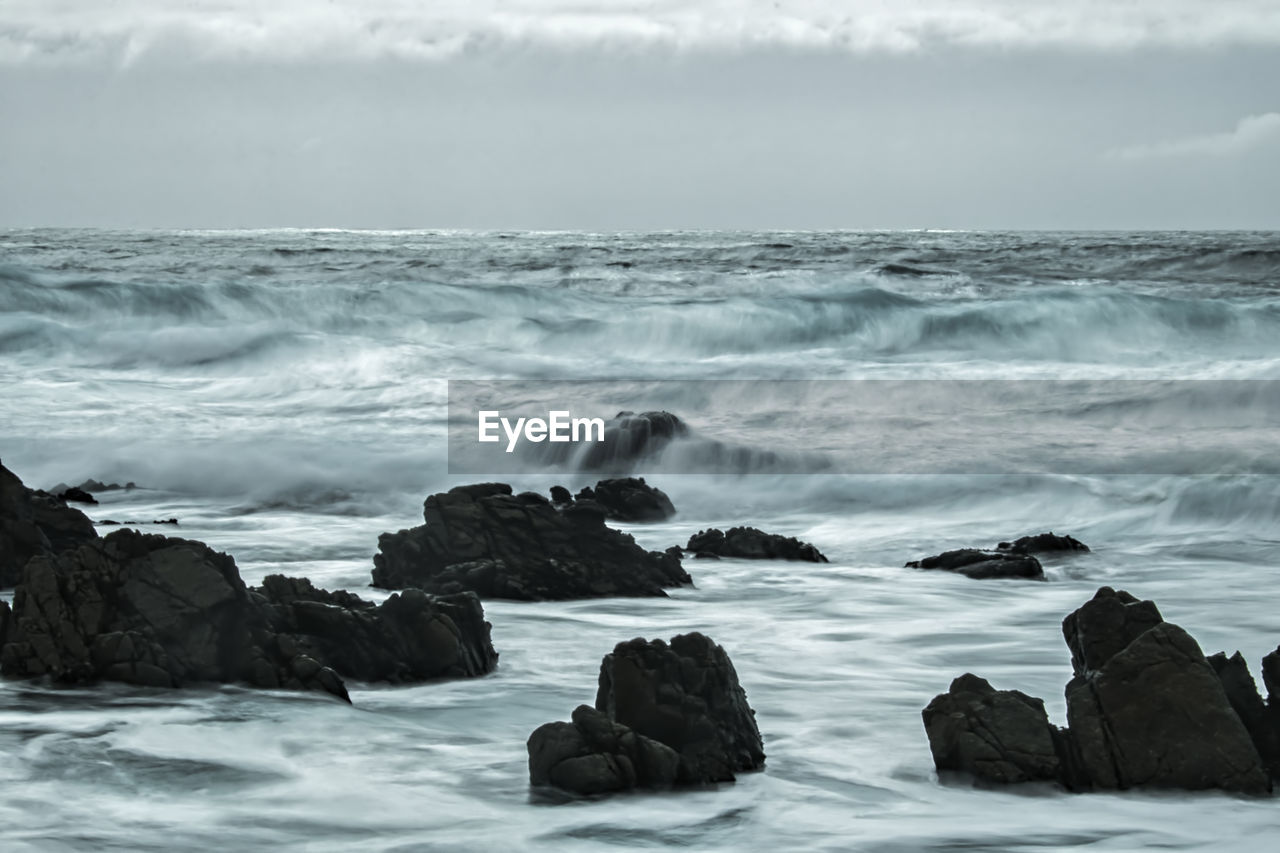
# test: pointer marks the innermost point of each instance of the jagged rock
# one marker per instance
(484, 539)
(687, 696)
(631, 437)
(1105, 625)
(999, 736)
(1260, 721)
(752, 544)
(1144, 709)
(34, 522)
(409, 637)
(629, 499)
(1271, 677)
(595, 755)
(1043, 543)
(560, 496)
(1154, 714)
(982, 565)
(77, 495)
(160, 611)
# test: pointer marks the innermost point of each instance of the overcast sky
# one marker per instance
(604, 115)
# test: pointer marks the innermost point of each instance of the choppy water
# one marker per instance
(282, 393)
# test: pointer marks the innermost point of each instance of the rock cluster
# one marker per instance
(160, 611)
(665, 715)
(33, 522)
(752, 544)
(1145, 708)
(1014, 559)
(484, 539)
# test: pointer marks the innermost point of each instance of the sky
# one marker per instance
(554, 114)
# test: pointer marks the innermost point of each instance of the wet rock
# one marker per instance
(484, 539)
(1155, 714)
(687, 696)
(982, 565)
(34, 522)
(1105, 625)
(630, 438)
(595, 755)
(77, 495)
(160, 611)
(752, 544)
(560, 496)
(1145, 709)
(1044, 543)
(1000, 736)
(629, 499)
(1260, 721)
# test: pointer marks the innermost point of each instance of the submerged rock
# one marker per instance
(752, 544)
(34, 522)
(484, 539)
(982, 565)
(664, 715)
(1145, 709)
(160, 611)
(630, 438)
(77, 495)
(1043, 543)
(628, 499)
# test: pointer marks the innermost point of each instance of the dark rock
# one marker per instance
(687, 696)
(34, 522)
(630, 499)
(153, 610)
(1043, 543)
(77, 495)
(982, 565)
(1154, 714)
(999, 736)
(752, 544)
(484, 539)
(1105, 625)
(560, 495)
(1271, 677)
(631, 437)
(595, 755)
(1259, 721)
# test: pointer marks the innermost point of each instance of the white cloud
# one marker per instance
(1249, 133)
(132, 30)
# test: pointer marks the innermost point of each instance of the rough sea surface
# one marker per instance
(282, 393)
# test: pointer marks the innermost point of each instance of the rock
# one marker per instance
(1043, 543)
(34, 522)
(752, 544)
(1145, 709)
(1154, 714)
(560, 496)
(1001, 736)
(1271, 677)
(484, 539)
(1260, 721)
(630, 438)
(595, 755)
(160, 611)
(629, 499)
(77, 495)
(687, 696)
(982, 565)
(1105, 625)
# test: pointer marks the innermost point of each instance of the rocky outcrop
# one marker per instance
(1261, 719)
(160, 611)
(76, 494)
(683, 697)
(595, 755)
(34, 522)
(630, 438)
(752, 544)
(483, 539)
(982, 565)
(1145, 709)
(998, 736)
(627, 499)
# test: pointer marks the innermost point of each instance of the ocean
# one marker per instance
(283, 395)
